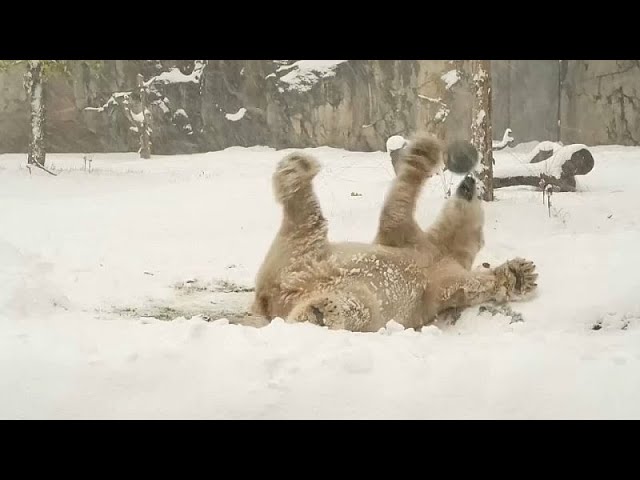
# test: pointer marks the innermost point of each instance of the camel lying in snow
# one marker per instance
(406, 274)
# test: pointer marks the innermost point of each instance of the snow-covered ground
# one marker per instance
(93, 264)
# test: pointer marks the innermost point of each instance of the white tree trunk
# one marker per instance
(35, 91)
(481, 135)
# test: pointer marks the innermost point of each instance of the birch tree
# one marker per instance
(34, 85)
(481, 135)
(35, 80)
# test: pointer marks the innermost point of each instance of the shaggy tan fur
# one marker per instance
(406, 274)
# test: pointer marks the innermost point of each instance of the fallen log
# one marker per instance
(543, 151)
(559, 168)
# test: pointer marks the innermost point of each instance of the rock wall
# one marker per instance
(350, 104)
(357, 104)
(601, 102)
(525, 99)
(14, 112)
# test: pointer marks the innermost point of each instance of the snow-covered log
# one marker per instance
(558, 170)
(542, 151)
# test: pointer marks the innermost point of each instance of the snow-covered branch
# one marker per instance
(115, 100)
(442, 113)
(507, 140)
(140, 122)
(172, 76)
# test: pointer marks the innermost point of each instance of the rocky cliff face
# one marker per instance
(356, 104)
(199, 106)
(601, 102)
(14, 112)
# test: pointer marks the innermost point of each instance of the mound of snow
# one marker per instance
(83, 254)
(234, 117)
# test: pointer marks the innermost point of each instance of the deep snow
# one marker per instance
(87, 258)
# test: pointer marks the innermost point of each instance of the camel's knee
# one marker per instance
(352, 309)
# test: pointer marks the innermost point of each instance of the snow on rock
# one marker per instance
(174, 75)
(181, 119)
(396, 142)
(81, 334)
(234, 117)
(302, 75)
(180, 113)
(442, 114)
(430, 99)
(481, 75)
(138, 117)
(162, 104)
(450, 78)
